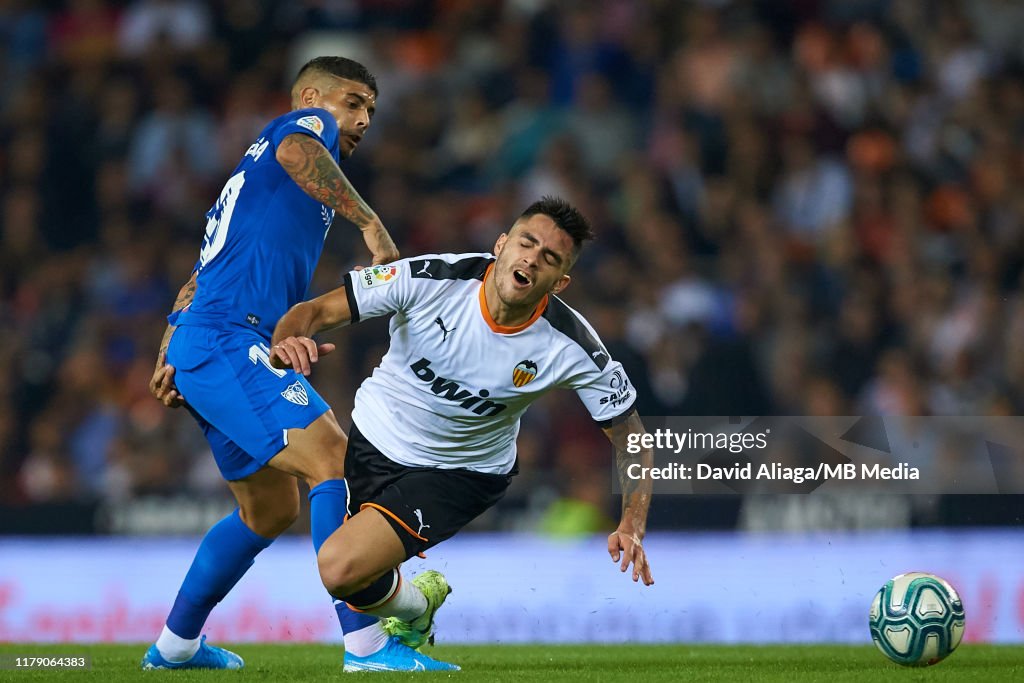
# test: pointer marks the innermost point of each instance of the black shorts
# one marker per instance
(424, 505)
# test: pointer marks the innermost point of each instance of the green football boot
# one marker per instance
(420, 631)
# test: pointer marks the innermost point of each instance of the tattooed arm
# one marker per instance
(161, 385)
(313, 169)
(626, 541)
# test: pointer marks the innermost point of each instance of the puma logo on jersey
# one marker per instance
(425, 270)
(440, 323)
(419, 516)
(453, 391)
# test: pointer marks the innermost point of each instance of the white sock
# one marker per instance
(407, 603)
(366, 640)
(174, 648)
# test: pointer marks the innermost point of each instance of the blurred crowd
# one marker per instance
(803, 208)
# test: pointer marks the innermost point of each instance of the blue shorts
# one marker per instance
(243, 405)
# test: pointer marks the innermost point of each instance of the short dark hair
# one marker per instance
(566, 216)
(342, 67)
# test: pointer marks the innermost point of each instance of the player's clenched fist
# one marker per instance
(298, 353)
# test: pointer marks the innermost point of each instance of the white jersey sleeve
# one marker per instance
(379, 290)
(404, 285)
(599, 381)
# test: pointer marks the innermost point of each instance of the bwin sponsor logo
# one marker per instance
(453, 391)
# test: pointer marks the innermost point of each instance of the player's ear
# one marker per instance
(502, 238)
(560, 284)
(309, 97)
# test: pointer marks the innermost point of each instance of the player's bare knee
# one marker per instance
(271, 517)
(341, 574)
(267, 526)
(282, 516)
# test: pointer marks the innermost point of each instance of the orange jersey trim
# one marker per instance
(504, 329)
(393, 516)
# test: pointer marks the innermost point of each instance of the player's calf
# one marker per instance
(268, 501)
(270, 523)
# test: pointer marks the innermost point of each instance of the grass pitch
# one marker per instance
(544, 663)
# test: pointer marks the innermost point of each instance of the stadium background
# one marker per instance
(804, 208)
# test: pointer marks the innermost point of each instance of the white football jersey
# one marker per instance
(451, 389)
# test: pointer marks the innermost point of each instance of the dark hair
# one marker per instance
(566, 216)
(342, 67)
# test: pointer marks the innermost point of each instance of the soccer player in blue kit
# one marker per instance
(266, 426)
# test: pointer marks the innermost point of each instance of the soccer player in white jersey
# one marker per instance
(475, 339)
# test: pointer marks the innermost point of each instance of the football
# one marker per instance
(916, 619)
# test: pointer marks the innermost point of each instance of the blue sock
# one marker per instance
(226, 553)
(352, 621)
(328, 505)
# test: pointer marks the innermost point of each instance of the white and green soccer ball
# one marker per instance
(917, 619)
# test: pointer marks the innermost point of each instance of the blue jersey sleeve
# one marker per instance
(316, 123)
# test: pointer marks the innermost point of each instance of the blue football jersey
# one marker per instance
(264, 235)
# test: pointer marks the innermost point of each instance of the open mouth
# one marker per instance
(521, 278)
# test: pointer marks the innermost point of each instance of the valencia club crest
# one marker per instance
(524, 373)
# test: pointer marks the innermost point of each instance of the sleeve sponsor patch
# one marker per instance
(376, 276)
(312, 123)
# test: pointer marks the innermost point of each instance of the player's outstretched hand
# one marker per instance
(626, 548)
(161, 385)
(380, 244)
(299, 353)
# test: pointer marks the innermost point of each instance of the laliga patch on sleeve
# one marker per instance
(312, 123)
(377, 276)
